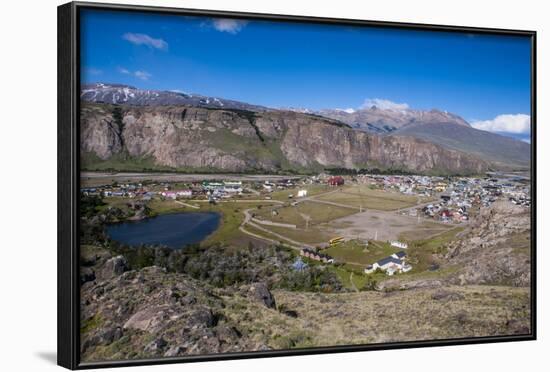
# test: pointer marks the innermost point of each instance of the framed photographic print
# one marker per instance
(236, 185)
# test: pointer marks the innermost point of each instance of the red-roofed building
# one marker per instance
(335, 181)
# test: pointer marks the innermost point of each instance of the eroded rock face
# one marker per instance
(192, 137)
(154, 313)
(330, 145)
(113, 267)
(494, 249)
(497, 250)
(260, 292)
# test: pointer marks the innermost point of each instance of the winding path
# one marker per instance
(248, 221)
(187, 205)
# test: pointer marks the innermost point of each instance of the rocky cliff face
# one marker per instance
(239, 141)
(494, 250)
(442, 128)
(497, 250)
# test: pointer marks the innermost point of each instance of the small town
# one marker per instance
(279, 212)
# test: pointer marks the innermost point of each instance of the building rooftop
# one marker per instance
(388, 260)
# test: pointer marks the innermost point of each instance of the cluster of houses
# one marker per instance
(335, 181)
(166, 190)
(314, 255)
(279, 185)
(396, 263)
(408, 185)
(174, 194)
(455, 195)
(445, 212)
(215, 190)
(212, 190)
(464, 193)
(524, 201)
(124, 190)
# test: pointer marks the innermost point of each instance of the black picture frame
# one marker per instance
(68, 348)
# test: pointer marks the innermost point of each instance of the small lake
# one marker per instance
(172, 230)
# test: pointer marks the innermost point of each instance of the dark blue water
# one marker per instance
(173, 230)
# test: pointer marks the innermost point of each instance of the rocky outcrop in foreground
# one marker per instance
(497, 250)
(131, 314)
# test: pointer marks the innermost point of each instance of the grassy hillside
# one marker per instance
(504, 152)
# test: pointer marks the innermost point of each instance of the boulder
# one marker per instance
(114, 267)
(202, 318)
(148, 319)
(175, 351)
(260, 292)
(156, 346)
(444, 295)
(87, 274)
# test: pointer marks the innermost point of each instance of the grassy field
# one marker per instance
(520, 243)
(310, 236)
(318, 213)
(353, 278)
(312, 190)
(232, 217)
(362, 196)
(354, 251)
(421, 252)
(424, 230)
(262, 233)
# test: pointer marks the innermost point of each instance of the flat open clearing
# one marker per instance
(355, 252)
(384, 226)
(315, 189)
(312, 235)
(297, 215)
(367, 198)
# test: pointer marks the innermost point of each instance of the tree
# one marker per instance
(370, 284)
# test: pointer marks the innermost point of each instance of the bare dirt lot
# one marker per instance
(381, 225)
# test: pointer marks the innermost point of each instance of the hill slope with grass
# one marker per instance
(149, 313)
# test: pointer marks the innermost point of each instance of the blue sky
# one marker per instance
(483, 78)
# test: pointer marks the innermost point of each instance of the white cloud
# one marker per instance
(144, 39)
(348, 110)
(140, 74)
(143, 75)
(231, 26)
(507, 123)
(384, 104)
(93, 71)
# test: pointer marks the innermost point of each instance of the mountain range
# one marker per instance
(128, 95)
(126, 128)
(440, 127)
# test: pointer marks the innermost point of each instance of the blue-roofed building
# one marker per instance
(299, 265)
(387, 261)
(399, 255)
